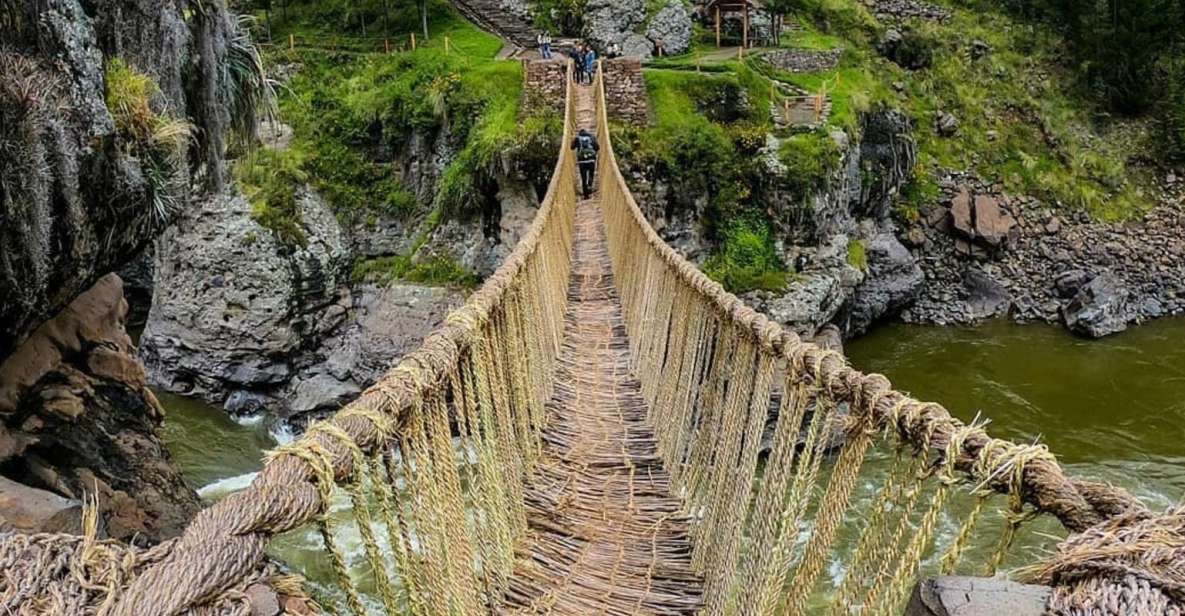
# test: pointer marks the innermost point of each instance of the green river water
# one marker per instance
(1112, 409)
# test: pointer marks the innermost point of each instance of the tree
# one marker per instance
(423, 4)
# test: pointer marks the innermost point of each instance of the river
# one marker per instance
(1112, 409)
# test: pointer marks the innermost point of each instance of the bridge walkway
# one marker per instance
(605, 535)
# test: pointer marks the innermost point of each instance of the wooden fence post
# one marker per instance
(291, 42)
(717, 26)
(413, 41)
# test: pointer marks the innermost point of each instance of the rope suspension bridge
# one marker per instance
(585, 436)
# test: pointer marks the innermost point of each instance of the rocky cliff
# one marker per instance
(108, 110)
(113, 115)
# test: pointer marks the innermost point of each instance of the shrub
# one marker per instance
(810, 159)
(438, 270)
(747, 259)
(858, 255)
(159, 140)
(270, 179)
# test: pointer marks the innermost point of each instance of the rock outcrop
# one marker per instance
(624, 26)
(816, 230)
(893, 281)
(79, 421)
(234, 306)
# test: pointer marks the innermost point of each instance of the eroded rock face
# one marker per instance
(234, 307)
(79, 421)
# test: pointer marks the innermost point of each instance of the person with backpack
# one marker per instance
(577, 64)
(586, 147)
(590, 63)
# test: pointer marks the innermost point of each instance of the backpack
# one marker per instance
(585, 152)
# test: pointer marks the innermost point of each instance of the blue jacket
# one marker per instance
(590, 60)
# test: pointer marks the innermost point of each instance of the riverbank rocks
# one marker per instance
(1051, 257)
(982, 221)
(893, 281)
(79, 420)
(1100, 308)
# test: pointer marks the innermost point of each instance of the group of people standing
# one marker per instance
(584, 58)
(584, 66)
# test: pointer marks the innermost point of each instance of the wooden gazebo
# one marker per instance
(718, 10)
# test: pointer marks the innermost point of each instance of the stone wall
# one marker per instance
(544, 85)
(625, 90)
(803, 60)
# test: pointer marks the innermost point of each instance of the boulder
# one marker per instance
(960, 213)
(993, 225)
(894, 280)
(807, 304)
(979, 49)
(671, 26)
(1100, 308)
(1069, 282)
(986, 296)
(322, 392)
(945, 124)
(981, 221)
(609, 22)
(969, 596)
(29, 510)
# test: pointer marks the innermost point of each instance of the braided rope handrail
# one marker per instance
(225, 541)
(1078, 504)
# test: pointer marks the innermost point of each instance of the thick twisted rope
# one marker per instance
(226, 541)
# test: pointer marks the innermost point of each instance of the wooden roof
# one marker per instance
(732, 5)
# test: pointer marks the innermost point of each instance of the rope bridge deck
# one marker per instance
(586, 436)
(606, 536)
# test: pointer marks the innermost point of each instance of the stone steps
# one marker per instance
(489, 15)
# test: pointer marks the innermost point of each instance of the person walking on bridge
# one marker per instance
(586, 147)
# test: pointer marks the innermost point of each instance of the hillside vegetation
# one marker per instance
(352, 105)
(1062, 101)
